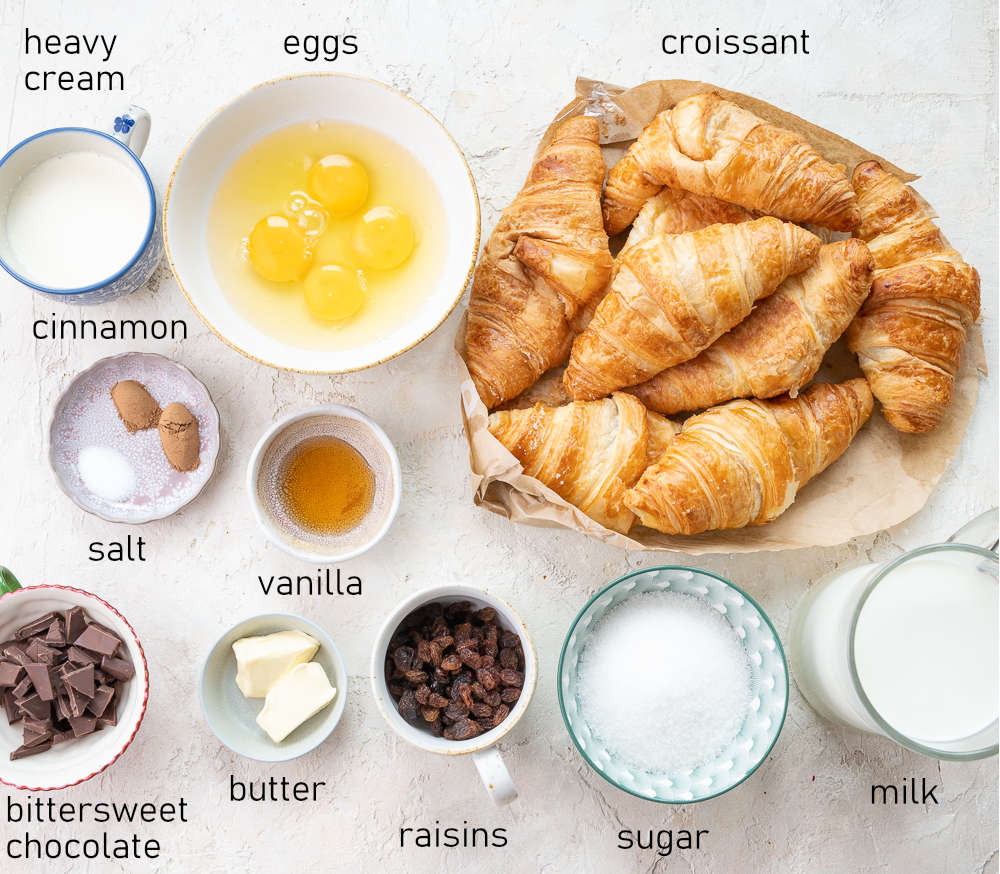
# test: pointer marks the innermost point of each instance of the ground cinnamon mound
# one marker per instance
(179, 437)
(136, 407)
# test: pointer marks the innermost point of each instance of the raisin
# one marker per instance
(481, 710)
(434, 652)
(423, 694)
(403, 657)
(418, 678)
(441, 676)
(469, 657)
(508, 658)
(464, 729)
(487, 661)
(456, 608)
(438, 701)
(493, 698)
(430, 714)
(423, 650)
(478, 692)
(512, 678)
(451, 662)
(396, 690)
(456, 710)
(508, 640)
(510, 694)
(500, 714)
(463, 632)
(489, 677)
(486, 615)
(437, 729)
(408, 706)
(444, 641)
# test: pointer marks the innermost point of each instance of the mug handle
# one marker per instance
(132, 128)
(981, 531)
(495, 776)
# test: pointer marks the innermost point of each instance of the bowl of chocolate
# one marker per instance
(453, 671)
(73, 686)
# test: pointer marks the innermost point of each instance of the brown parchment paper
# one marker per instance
(883, 478)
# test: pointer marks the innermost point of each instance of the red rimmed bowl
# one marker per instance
(71, 763)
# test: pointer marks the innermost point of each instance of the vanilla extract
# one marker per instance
(324, 583)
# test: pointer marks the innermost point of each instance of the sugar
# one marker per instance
(106, 472)
(664, 682)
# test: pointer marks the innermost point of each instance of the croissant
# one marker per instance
(674, 295)
(541, 269)
(910, 333)
(710, 146)
(677, 212)
(779, 347)
(744, 462)
(589, 453)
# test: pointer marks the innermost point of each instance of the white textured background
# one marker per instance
(912, 81)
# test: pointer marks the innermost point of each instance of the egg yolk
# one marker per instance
(333, 293)
(339, 183)
(278, 250)
(383, 238)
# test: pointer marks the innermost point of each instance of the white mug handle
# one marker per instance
(132, 128)
(495, 776)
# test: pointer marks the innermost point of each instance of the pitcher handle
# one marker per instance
(8, 582)
(981, 531)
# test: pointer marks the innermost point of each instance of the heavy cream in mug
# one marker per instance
(77, 219)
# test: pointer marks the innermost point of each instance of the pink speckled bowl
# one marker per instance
(85, 415)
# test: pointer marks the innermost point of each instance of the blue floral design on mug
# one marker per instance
(123, 124)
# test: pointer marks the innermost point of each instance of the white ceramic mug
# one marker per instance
(495, 776)
(124, 143)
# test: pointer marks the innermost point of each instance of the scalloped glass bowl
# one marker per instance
(769, 680)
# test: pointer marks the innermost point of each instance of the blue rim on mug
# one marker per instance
(149, 225)
(562, 657)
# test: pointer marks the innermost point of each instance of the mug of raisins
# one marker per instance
(453, 670)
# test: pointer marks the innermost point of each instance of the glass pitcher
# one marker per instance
(907, 648)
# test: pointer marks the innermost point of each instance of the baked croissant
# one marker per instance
(588, 453)
(779, 347)
(909, 334)
(677, 212)
(743, 463)
(673, 295)
(541, 269)
(708, 145)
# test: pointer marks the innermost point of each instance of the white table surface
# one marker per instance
(913, 81)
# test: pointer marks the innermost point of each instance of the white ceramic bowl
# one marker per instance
(70, 763)
(277, 104)
(491, 768)
(233, 718)
(356, 429)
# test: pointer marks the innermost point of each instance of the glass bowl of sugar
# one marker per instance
(673, 684)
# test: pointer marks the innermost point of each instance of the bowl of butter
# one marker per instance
(273, 687)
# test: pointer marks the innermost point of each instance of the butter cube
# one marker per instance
(262, 661)
(302, 692)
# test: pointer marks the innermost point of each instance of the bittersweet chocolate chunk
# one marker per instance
(76, 623)
(41, 679)
(82, 679)
(98, 640)
(117, 668)
(9, 674)
(38, 626)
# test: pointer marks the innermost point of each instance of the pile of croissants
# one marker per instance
(719, 301)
